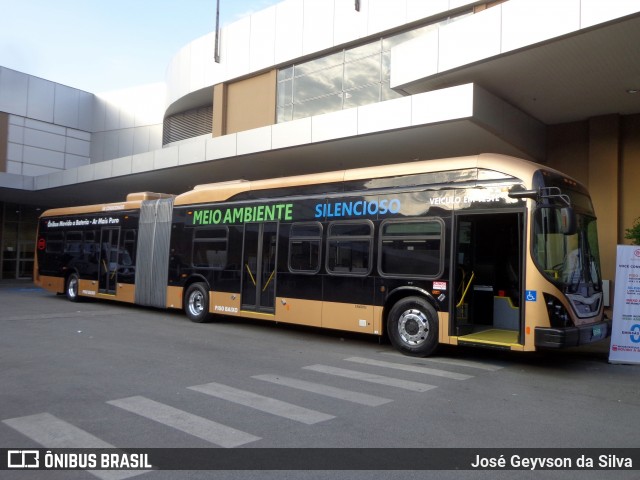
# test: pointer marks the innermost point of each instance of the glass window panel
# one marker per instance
(362, 72)
(284, 114)
(330, 103)
(304, 256)
(306, 230)
(390, 42)
(362, 96)
(362, 51)
(319, 64)
(210, 248)
(210, 254)
(55, 242)
(317, 84)
(11, 212)
(411, 248)
(385, 74)
(26, 231)
(350, 257)
(285, 92)
(349, 229)
(211, 233)
(410, 257)
(412, 228)
(285, 73)
(73, 242)
(388, 93)
(9, 241)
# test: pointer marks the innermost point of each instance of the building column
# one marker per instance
(219, 110)
(603, 184)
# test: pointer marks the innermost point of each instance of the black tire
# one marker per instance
(412, 326)
(71, 288)
(196, 303)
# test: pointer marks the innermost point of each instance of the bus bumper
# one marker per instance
(572, 336)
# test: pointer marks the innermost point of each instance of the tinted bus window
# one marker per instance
(411, 248)
(349, 246)
(90, 245)
(304, 247)
(210, 248)
(73, 242)
(129, 247)
(55, 242)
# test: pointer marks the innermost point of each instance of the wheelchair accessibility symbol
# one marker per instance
(531, 295)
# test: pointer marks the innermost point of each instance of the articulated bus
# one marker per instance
(487, 250)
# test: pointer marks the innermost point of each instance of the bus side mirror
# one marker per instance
(569, 223)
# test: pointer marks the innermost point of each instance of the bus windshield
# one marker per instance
(570, 261)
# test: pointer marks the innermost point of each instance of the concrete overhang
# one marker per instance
(564, 62)
(457, 121)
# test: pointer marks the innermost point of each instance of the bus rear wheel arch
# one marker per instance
(196, 302)
(412, 326)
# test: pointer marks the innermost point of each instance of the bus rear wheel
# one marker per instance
(196, 303)
(71, 288)
(412, 326)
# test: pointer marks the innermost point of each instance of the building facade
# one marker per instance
(308, 86)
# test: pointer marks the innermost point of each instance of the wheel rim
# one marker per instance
(413, 327)
(72, 287)
(196, 303)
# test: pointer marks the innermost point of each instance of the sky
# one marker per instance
(104, 45)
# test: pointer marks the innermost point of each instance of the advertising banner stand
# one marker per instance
(625, 332)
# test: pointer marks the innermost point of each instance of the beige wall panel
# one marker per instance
(219, 110)
(629, 174)
(300, 312)
(347, 316)
(251, 103)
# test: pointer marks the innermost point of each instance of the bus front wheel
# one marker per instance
(71, 288)
(412, 326)
(196, 303)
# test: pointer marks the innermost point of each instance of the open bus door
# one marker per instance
(488, 266)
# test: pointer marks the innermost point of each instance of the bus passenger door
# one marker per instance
(109, 241)
(488, 278)
(259, 267)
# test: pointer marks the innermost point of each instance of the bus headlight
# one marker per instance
(558, 315)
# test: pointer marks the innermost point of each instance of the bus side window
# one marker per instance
(304, 247)
(411, 248)
(73, 242)
(349, 246)
(55, 242)
(210, 248)
(89, 245)
(129, 248)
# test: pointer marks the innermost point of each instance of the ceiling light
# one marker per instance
(633, 91)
